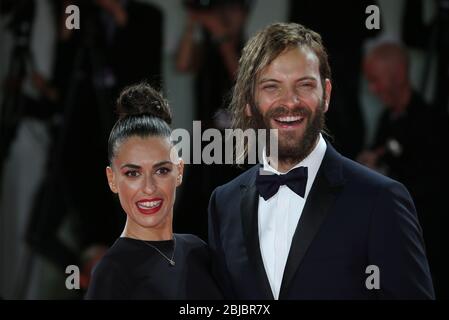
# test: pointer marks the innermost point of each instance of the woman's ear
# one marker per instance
(180, 167)
(111, 179)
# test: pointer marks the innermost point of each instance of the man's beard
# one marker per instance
(293, 148)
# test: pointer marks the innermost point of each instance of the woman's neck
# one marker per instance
(135, 231)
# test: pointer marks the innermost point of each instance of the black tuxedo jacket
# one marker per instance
(353, 218)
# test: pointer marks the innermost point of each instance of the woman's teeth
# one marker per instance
(149, 204)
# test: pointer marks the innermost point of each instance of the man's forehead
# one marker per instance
(289, 57)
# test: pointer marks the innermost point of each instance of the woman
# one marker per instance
(148, 261)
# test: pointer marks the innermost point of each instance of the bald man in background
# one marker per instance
(409, 146)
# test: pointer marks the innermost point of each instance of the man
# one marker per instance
(342, 220)
(408, 131)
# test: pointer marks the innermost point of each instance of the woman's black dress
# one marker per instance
(132, 269)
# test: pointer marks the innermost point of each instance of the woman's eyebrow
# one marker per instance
(134, 166)
(129, 165)
(162, 163)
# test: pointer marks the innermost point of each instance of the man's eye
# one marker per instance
(132, 173)
(270, 87)
(163, 171)
(308, 85)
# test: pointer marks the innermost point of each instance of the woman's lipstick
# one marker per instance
(149, 206)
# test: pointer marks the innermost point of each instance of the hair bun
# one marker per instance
(143, 99)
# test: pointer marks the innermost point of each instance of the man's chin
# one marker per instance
(295, 148)
(288, 141)
(291, 139)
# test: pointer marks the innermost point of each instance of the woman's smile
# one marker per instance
(149, 206)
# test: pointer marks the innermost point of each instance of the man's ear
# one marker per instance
(111, 179)
(248, 112)
(327, 92)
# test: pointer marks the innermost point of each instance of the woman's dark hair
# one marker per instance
(143, 112)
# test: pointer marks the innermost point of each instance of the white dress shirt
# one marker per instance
(279, 216)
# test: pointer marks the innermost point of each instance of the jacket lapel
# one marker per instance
(326, 186)
(249, 206)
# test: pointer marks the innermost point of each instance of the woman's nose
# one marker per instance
(149, 185)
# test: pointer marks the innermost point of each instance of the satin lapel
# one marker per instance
(319, 201)
(249, 211)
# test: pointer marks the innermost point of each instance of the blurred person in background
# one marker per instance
(410, 147)
(118, 43)
(210, 48)
(432, 37)
(30, 102)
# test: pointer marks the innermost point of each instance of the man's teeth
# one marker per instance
(149, 204)
(289, 119)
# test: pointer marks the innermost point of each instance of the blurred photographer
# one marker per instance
(29, 104)
(410, 147)
(119, 43)
(210, 48)
(53, 194)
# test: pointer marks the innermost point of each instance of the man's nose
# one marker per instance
(291, 99)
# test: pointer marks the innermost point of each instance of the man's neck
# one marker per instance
(287, 164)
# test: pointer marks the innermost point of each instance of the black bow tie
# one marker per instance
(268, 183)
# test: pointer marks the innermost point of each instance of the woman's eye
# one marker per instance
(132, 173)
(162, 171)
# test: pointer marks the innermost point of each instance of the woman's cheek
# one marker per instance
(130, 186)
